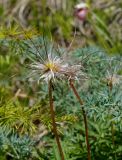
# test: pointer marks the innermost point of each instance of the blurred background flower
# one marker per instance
(81, 11)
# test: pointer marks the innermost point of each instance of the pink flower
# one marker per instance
(81, 11)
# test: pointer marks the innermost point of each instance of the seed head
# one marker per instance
(113, 79)
(55, 67)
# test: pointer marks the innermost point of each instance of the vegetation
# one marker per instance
(60, 81)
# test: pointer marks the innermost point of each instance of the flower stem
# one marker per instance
(84, 117)
(53, 121)
(110, 85)
(112, 132)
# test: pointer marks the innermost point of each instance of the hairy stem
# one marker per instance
(112, 132)
(110, 85)
(53, 121)
(84, 118)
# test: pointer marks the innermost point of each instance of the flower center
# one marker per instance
(51, 66)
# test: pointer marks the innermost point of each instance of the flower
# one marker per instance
(55, 67)
(113, 79)
(81, 11)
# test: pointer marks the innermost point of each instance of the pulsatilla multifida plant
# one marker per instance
(51, 67)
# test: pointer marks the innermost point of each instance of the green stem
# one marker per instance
(53, 121)
(84, 117)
